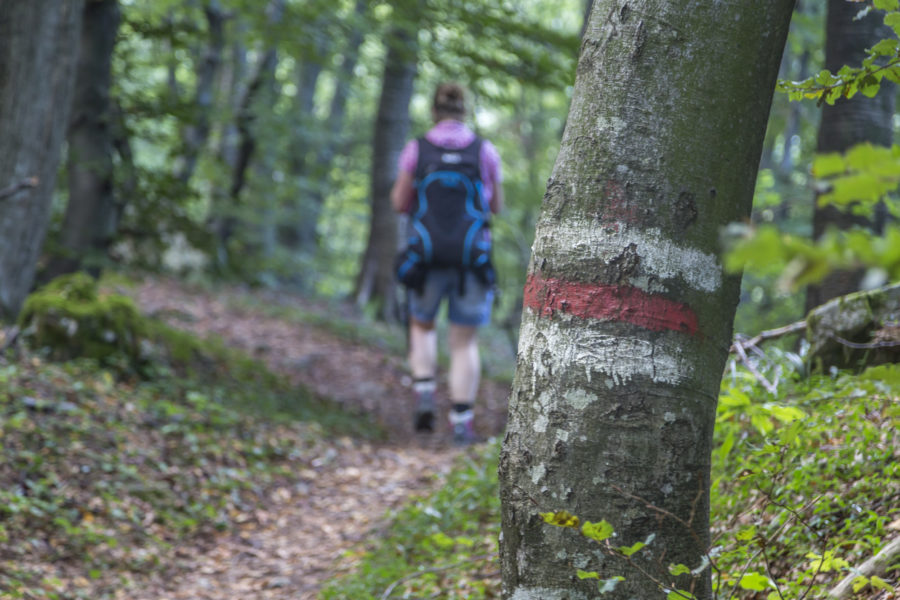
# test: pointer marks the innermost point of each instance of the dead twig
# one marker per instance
(739, 348)
(859, 346)
(12, 189)
(769, 334)
(390, 588)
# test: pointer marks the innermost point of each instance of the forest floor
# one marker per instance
(301, 539)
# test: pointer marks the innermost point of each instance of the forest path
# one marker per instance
(293, 546)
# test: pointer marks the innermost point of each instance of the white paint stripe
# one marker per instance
(534, 593)
(617, 359)
(660, 256)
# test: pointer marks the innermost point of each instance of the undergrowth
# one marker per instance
(111, 463)
(806, 486)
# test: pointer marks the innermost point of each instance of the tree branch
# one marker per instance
(858, 346)
(12, 189)
(877, 565)
(769, 334)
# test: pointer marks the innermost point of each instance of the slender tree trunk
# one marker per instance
(90, 222)
(38, 49)
(375, 281)
(847, 123)
(197, 133)
(302, 235)
(246, 132)
(628, 314)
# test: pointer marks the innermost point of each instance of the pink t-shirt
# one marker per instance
(455, 135)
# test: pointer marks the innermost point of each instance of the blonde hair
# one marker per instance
(449, 102)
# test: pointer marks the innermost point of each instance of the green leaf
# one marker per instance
(677, 570)
(734, 397)
(561, 518)
(679, 595)
(862, 157)
(880, 584)
(597, 531)
(888, 5)
(746, 534)
(630, 550)
(826, 165)
(892, 20)
(754, 581)
(859, 582)
(885, 47)
(587, 574)
(785, 414)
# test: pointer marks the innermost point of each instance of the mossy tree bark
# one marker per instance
(628, 314)
(38, 48)
(91, 213)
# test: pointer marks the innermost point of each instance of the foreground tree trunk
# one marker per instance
(375, 281)
(38, 48)
(628, 315)
(847, 123)
(91, 213)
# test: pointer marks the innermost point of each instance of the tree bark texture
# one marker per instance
(91, 214)
(847, 123)
(375, 281)
(627, 313)
(38, 49)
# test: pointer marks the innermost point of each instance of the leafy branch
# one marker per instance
(882, 62)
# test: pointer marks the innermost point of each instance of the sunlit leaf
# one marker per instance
(597, 531)
(754, 581)
(826, 165)
(587, 574)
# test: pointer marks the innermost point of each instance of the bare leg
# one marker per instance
(423, 365)
(465, 364)
(422, 349)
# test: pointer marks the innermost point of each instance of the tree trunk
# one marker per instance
(847, 123)
(197, 132)
(38, 48)
(375, 281)
(91, 217)
(628, 315)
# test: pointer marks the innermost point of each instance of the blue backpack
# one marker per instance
(449, 225)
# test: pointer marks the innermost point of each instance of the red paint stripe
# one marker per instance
(609, 303)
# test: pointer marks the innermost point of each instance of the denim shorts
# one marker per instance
(472, 307)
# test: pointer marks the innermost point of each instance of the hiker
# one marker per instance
(448, 181)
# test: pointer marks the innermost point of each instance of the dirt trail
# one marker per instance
(290, 549)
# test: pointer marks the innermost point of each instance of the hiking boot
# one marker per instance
(424, 415)
(463, 424)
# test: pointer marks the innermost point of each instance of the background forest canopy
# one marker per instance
(239, 138)
(241, 133)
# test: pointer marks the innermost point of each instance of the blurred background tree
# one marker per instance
(246, 141)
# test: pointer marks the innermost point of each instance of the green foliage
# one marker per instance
(805, 486)
(440, 546)
(882, 62)
(859, 181)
